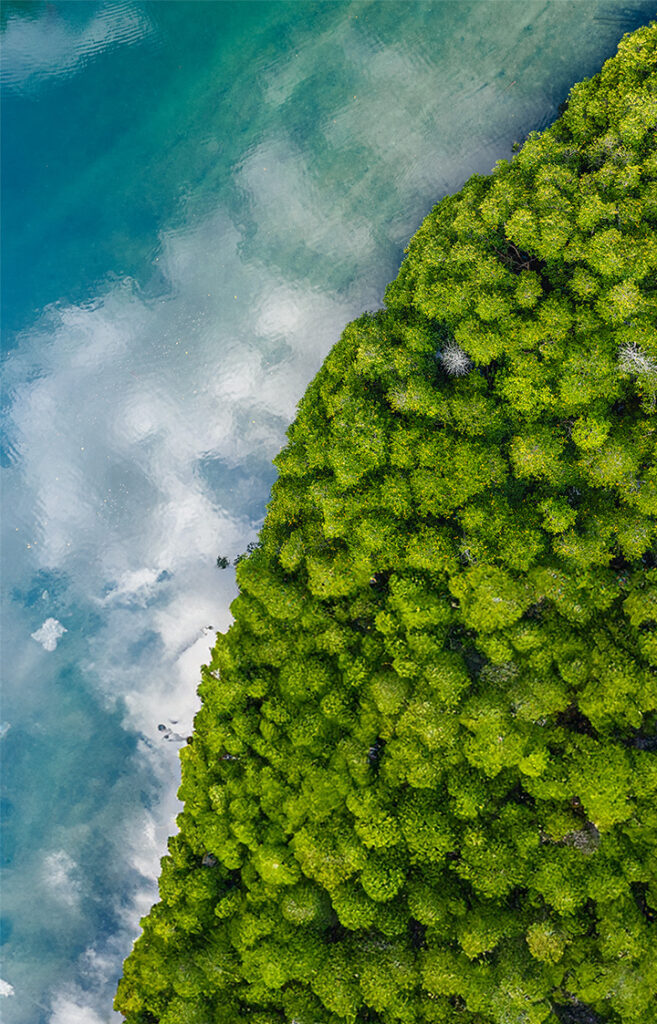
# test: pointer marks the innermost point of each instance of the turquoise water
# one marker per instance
(196, 198)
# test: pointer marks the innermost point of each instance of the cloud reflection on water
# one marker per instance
(116, 410)
(35, 48)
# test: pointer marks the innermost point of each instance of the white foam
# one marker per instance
(6, 989)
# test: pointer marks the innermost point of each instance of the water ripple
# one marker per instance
(49, 42)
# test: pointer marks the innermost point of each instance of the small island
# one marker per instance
(422, 787)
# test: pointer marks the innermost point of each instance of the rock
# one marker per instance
(586, 839)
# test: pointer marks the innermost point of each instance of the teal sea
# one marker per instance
(196, 197)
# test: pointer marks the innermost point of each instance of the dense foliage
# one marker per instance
(422, 785)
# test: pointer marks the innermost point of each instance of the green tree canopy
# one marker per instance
(422, 786)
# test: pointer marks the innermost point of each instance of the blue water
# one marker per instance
(196, 198)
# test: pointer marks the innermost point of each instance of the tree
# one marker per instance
(422, 785)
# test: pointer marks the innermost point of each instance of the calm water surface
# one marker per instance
(196, 198)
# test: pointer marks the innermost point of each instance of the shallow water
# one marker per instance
(196, 198)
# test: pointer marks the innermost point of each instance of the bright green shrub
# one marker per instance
(423, 780)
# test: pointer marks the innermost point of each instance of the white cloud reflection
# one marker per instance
(131, 423)
(37, 48)
(141, 434)
(49, 634)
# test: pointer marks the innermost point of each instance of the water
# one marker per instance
(196, 198)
